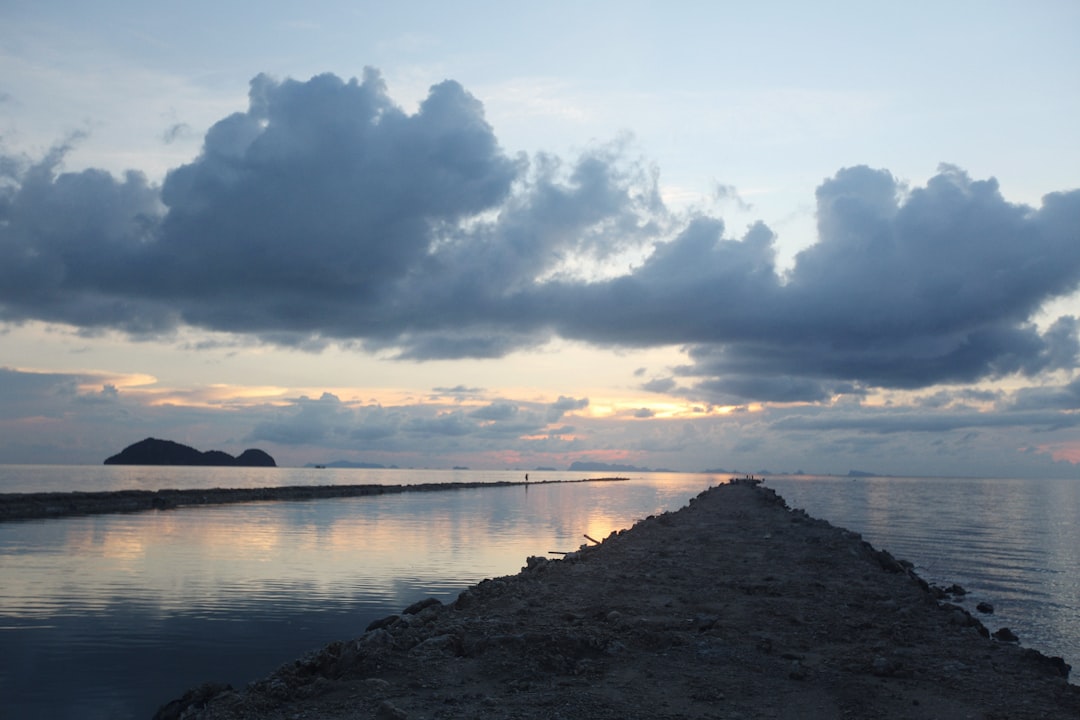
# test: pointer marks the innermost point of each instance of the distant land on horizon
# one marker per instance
(350, 465)
(589, 466)
(581, 466)
(800, 471)
(153, 451)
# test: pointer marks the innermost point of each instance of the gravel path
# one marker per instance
(733, 607)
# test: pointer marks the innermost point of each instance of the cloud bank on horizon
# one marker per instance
(325, 213)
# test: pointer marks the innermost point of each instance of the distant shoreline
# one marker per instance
(39, 505)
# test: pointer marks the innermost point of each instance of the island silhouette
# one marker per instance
(153, 451)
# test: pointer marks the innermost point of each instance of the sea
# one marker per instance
(111, 616)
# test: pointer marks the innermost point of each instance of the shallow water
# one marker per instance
(1012, 543)
(110, 616)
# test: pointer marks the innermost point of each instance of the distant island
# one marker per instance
(350, 465)
(152, 451)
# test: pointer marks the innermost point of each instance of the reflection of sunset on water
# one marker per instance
(319, 551)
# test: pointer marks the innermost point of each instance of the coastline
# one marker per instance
(37, 505)
(734, 606)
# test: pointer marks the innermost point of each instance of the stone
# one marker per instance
(388, 711)
(195, 698)
(377, 638)
(416, 607)
(1006, 635)
(438, 645)
(382, 622)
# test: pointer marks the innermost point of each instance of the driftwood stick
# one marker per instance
(593, 539)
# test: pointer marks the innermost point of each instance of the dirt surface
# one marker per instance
(733, 607)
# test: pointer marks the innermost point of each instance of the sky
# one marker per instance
(753, 236)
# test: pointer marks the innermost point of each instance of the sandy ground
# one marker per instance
(733, 607)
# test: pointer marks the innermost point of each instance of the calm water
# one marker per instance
(1013, 543)
(110, 616)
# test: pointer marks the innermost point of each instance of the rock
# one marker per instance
(416, 607)
(194, 699)
(382, 623)
(883, 667)
(377, 685)
(1055, 665)
(985, 607)
(388, 711)
(377, 638)
(1006, 635)
(885, 559)
(438, 645)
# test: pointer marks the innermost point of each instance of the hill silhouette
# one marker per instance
(153, 451)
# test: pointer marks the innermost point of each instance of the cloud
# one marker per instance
(660, 385)
(309, 421)
(564, 405)
(325, 213)
(63, 238)
(85, 417)
(496, 411)
(1066, 397)
(730, 193)
(885, 422)
(453, 424)
(904, 289)
(23, 394)
(175, 132)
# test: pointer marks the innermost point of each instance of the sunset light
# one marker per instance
(338, 338)
(430, 237)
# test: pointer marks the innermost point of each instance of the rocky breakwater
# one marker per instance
(733, 607)
(28, 506)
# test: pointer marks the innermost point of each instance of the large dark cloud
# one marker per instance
(69, 242)
(909, 289)
(325, 212)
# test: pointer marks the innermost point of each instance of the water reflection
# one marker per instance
(108, 616)
(1007, 541)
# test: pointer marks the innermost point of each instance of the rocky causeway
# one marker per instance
(735, 606)
(36, 505)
